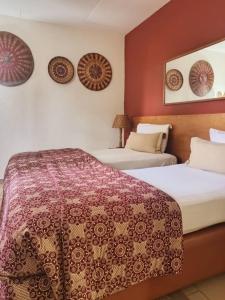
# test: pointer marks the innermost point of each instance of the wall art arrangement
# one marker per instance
(197, 76)
(94, 71)
(16, 60)
(60, 69)
(17, 64)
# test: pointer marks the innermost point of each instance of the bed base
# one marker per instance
(204, 256)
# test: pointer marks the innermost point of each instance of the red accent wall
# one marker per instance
(178, 27)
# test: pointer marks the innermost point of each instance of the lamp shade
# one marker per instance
(121, 121)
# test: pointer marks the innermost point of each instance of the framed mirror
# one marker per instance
(196, 76)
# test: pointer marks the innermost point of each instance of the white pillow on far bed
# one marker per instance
(206, 155)
(155, 128)
(217, 136)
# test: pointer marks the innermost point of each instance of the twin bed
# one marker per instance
(200, 194)
(124, 159)
(73, 228)
(130, 157)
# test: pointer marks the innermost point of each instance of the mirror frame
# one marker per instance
(181, 55)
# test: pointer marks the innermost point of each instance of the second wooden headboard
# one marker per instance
(184, 127)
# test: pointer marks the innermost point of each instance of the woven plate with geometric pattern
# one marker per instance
(16, 60)
(201, 78)
(94, 71)
(174, 80)
(61, 69)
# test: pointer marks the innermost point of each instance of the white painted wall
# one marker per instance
(42, 114)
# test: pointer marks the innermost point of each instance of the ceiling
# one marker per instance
(119, 15)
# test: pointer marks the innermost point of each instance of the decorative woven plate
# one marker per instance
(201, 78)
(174, 80)
(16, 60)
(61, 69)
(94, 71)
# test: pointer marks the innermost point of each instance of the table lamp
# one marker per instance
(121, 122)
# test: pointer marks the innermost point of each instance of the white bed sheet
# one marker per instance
(200, 194)
(122, 158)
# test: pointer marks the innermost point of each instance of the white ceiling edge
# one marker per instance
(89, 27)
(121, 16)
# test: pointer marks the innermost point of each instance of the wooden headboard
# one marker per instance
(184, 127)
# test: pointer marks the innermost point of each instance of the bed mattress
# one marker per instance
(122, 158)
(200, 194)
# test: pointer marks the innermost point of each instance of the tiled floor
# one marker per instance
(211, 289)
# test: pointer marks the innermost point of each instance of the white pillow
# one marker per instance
(155, 128)
(207, 155)
(217, 136)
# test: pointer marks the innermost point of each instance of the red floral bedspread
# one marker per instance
(73, 228)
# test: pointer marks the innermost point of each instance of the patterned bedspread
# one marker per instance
(73, 228)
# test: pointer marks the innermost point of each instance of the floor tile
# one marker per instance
(175, 296)
(190, 290)
(210, 289)
(197, 296)
(213, 288)
(166, 298)
(179, 296)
